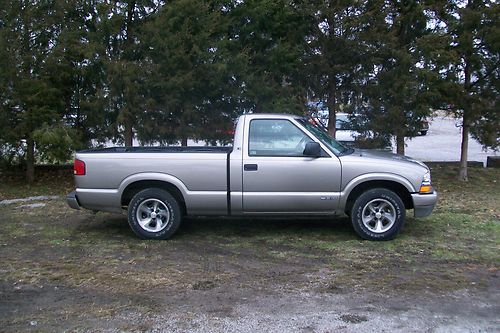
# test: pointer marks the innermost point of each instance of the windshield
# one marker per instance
(324, 137)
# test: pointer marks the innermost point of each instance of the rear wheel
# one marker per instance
(378, 214)
(154, 214)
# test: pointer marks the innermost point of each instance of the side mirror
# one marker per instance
(312, 149)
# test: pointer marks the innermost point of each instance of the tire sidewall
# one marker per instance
(170, 203)
(357, 211)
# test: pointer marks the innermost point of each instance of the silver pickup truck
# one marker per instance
(278, 165)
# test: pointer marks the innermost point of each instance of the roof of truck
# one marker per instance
(272, 115)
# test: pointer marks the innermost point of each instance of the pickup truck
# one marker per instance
(280, 165)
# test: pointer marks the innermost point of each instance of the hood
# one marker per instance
(387, 156)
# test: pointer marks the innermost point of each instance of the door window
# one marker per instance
(276, 137)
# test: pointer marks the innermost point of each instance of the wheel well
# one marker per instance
(396, 187)
(140, 185)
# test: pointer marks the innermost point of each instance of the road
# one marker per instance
(442, 143)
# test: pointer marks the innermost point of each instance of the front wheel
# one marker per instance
(154, 214)
(378, 214)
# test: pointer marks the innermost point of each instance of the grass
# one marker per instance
(74, 267)
(13, 183)
(456, 247)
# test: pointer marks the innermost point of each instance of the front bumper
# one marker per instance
(423, 204)
(72, 200)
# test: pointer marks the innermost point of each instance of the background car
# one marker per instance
(350, 131)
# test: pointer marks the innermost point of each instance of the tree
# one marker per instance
(466, 55)
(117, 31)
(266, 43)
(189, 90)
(79, 72)
(337, 59)
(28, 33)
(398, 94)
(52, 80)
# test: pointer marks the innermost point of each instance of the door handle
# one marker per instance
(250, 167)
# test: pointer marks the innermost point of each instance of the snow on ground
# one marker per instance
(442, 143)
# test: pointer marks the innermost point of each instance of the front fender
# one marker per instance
(370, 177)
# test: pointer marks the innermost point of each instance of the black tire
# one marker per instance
(379, 207)
(167, 212)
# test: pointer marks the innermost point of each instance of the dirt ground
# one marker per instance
(74, 271)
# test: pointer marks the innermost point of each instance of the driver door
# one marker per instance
(278, 178)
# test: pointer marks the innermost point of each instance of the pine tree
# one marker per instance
(267, 40)
(79, 72)
(117, 31)
(467, 57)
(28, 33)
(337, 60)
(189, 90)
(397, 95)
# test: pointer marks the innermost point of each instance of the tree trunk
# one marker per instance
(184, 142)
(332, 113)
(462, 172)
(258, 108)
(30, 161)
(400, 144)
(129, 135)
(332, 120)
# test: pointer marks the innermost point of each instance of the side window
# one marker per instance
(269, 137)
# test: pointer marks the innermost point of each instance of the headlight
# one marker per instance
(427, 177)
(426, 186)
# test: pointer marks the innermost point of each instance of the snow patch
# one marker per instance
(29, 199)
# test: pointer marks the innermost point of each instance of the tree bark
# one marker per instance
(184, 141)
(258, 108)
(463, 172)
(30, 161)
(128, 135)
(400, 144)
(332, 113)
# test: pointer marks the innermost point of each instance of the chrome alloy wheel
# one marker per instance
(378, 215)
(153, 215)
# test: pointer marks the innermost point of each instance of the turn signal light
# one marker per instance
(425, 188)
(79, 168)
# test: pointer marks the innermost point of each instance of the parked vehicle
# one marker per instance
(348, 132)
(424, 127)
(279, 165)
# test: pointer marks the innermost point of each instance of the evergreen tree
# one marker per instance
(117, 31)
(398, 95)
(466, 47)
(79, 72)
(30, 101)
(267, 40)
(190, 92)
(338, 60)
